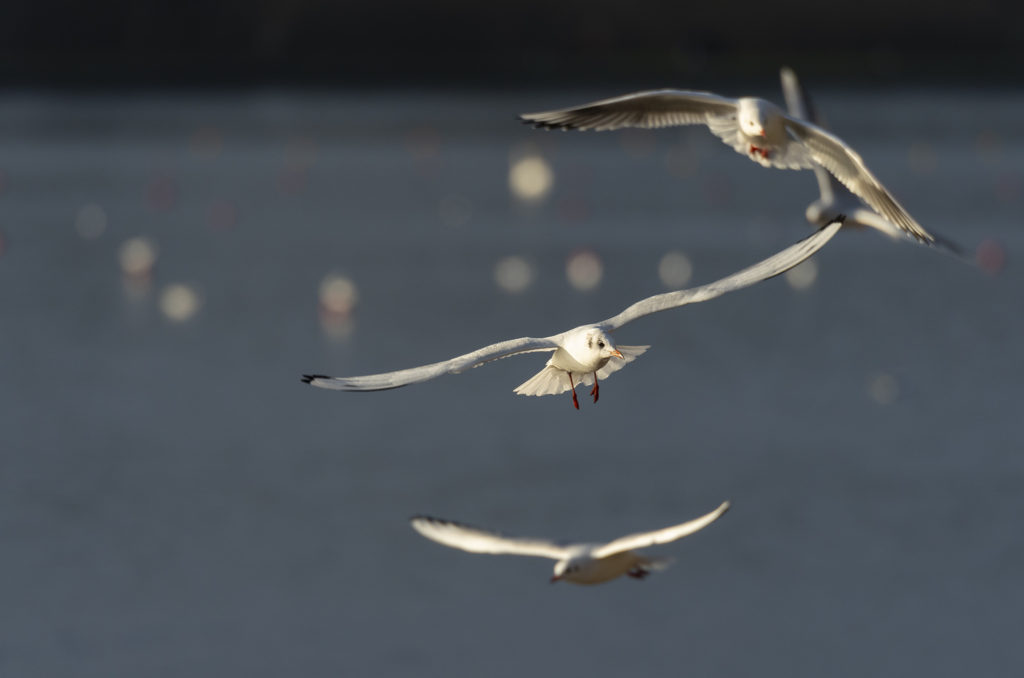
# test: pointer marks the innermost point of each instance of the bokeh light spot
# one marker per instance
(207, 142)
(338, 294)
(584, 270)
(530, 178)
(91, 221)
(883, 388)
(513, 274)
(223, 215)
(990, 256)
(675, 270)
(137, 257)
(802, 276)
(179, 302)
(162, 193)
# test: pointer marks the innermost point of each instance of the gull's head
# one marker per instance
(598, 342)
(565, 569)
(751, 115)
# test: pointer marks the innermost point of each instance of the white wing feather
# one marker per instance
(414, 375)
(476, 540)
(663, 536)
(846, 165)
(769, 268)
(651, 109)
(835, 197)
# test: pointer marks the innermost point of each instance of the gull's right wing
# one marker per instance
(652, 109)
(476, 540)
(414, 375)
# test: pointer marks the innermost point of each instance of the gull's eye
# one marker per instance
(600, 344)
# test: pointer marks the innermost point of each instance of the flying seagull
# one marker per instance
(834, 196)
(754, 127)
(576, 563)
(586, 353)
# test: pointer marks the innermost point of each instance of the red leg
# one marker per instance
(572, 387)
(595, 391)
(763, 152)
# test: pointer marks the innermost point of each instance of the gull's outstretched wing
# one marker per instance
(663, 536)
(475, 540)
(798, 101)
(656, 108)
(769, 268)
(846, 165)
(836, 198)
(800, 106)
(414, 375)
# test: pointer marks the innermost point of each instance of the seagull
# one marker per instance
(585, 354)
(754, 127)
(576, 563)
(835, 197)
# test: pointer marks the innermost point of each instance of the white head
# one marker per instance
(594, 345)
(751, 115)
(596, 342)
(565, 569)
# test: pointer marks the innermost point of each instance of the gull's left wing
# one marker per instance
(769, 268)
(663, 536)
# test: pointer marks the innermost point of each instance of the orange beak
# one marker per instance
(554, 579)
(761, 133)
(616, 353)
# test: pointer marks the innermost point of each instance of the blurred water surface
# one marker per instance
(174, 501)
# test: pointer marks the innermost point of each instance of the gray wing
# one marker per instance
(414, 375)
(769, 268)
(800, 106)
(656, 108)
(846, 165)
(663, 536)
(476, 540)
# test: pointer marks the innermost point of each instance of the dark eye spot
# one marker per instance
(600, 344)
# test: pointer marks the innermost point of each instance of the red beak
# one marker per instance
(616, 353)
(554, 579)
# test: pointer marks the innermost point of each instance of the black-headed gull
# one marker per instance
(754, 127)
(576, 563)
(834, 197)
(585, 354)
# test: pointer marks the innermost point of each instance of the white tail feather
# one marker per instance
(549, 381)
(553, 380)
(656, 564)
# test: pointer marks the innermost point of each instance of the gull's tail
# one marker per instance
(549, 381)
(644, 566)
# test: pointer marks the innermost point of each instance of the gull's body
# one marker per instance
(576, 563)
(585, 353)
(754, 127)
(834, 198)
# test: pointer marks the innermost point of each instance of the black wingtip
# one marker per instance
(544, 125)
(308, 378)
(841, 218)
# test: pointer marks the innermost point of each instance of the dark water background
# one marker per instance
(173, 501)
